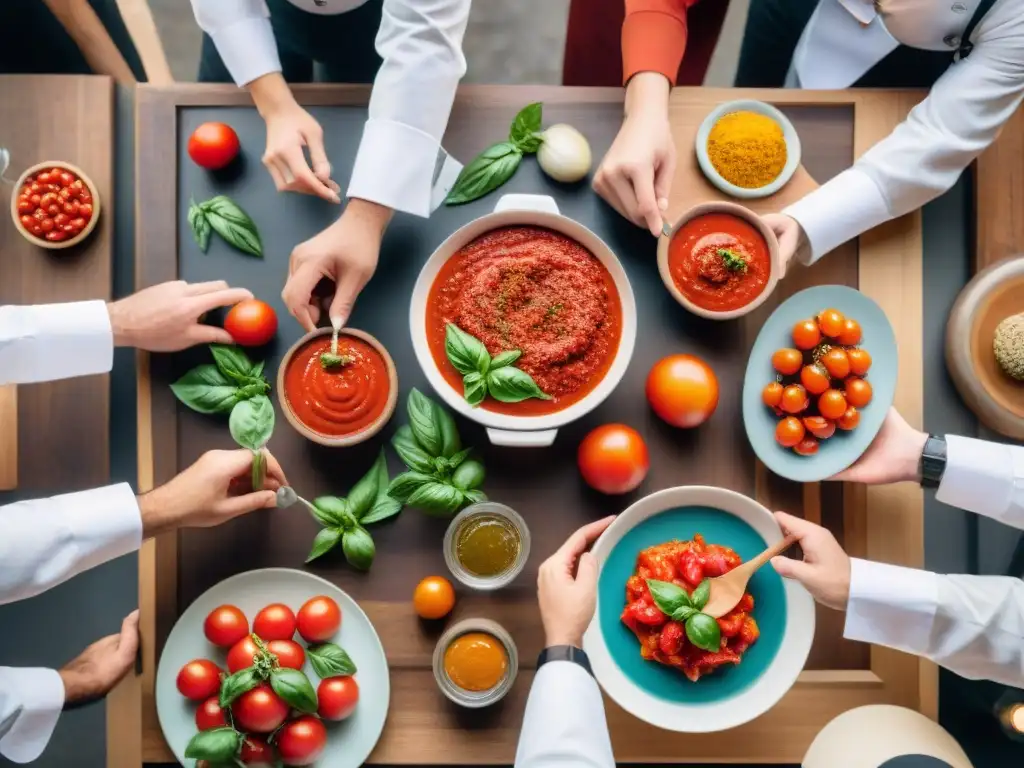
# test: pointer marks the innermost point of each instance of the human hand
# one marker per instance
(101, 666)
(567, 604)
(635, 175)
(790, 235)
(210, 492)
(825, 569)
(894, 456)
(165, 317)
(345, 253)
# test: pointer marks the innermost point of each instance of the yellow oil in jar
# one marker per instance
(487, 544)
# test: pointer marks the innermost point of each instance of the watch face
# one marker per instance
(915, 761)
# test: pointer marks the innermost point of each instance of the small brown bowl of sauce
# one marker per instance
(475, 663)
(487, 545)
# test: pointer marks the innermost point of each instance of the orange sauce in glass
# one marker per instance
(476, 661)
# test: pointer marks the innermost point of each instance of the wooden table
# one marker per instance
(880, 523)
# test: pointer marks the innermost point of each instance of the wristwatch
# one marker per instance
(565, 653)
(933, 462)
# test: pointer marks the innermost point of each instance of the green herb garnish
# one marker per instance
(329, 360)
(223, 215)
(485, 375)
(733, 261)
(702, 630)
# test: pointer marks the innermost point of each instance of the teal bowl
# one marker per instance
(844, 448)
(784, 611)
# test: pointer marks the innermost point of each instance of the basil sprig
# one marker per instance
(223, 215)
(217, 745)
(233, 686)
(291, 685)
(294, 689)
(485, 375)
(330, 660)
(702, 630)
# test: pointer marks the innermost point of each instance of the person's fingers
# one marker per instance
(233, 506)
(298, 294)
(788, 568)
(122, 656)
(663, 176)
(230, 464)
(627, 197)
(197, 289)
(274, 468)
(305, 179)
(345, 295)
(275, 173)
(586, 572)
(796, 525)
(208, 334)
(578, 542)
(642, 178)
(318, 156)
(605, 190)
(223, 298)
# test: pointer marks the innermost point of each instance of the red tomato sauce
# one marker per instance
(54, 205)
(700, 272)
(340, 401)
(537, 291)
(686, 564)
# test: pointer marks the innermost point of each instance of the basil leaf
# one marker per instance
(294, 689)
(466, 352)
(329, 360)
(470, 474)
(329, 510)
(359, 548)
(474, 496)
(403, 485)
(382, 509)
(324, 542)
(259, 470)
(474, 388)
(233, 363)
(683, 613)
(256, 371)
(700, 595)
(485, 173)
(424, 422)
(455, 460)
(704, 632)
(233, 224)
(252, 422)
(409, 451)
(206, 390)
(668, 597)
(438, 498)
(199, 225)
(507, 357)
(525, 127)
(235, 685)
(513, 385)
(257, 387)
(217, 745)
(330, 660)
(364, 493)
(450, 440)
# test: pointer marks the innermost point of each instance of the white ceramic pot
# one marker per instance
(522, 210)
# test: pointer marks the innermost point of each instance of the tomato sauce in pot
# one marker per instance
(538, 291)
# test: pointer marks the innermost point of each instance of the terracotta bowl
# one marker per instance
(96, 205)
(739, 212)
(356, 437)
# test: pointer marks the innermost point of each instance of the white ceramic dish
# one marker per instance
(529, 210)
(788, 132)
(349, 742)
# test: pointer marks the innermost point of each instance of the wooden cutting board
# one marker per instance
(8, 437)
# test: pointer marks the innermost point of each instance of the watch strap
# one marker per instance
(933, 462)
(565, 653)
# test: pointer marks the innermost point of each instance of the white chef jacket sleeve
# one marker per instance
(421, 44)
(46, 342)
(47, 541)
(925, 154)
(984, 477)
(30, 703)
(972, 625)
(241, 32)
(564, 725)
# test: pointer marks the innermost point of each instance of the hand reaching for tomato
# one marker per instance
(894, 455)
(101, 666)
(825, 569)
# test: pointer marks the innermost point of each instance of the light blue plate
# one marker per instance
(843, 448)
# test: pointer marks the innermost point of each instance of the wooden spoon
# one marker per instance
(727, 590)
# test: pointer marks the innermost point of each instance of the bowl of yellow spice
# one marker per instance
(487, 545)
(748, 149)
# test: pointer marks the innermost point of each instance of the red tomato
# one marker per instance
(210, 715)
(259, 710)
(858, 392)
(806, 334)
(836, 363)
(275, 622)
(771, 395)
(794, 399)
(241, 654)
(255, 751)
(225, 626)
(613, 459)
(814, 378)
(832, 404)
(199, 679)
(787, 361)
(251, 323)
(860, 361)
(338, 697)
(213, 145)
(831, 322)
(851, 333)
(850, 419)
(820, 427)
(789, 431)
(682, 390)
(289, 653)
(318, 619)
(301, 741)
(806, 447)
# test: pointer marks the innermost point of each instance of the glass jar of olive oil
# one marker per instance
(487, 545)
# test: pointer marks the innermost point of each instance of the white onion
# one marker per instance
(564, 154)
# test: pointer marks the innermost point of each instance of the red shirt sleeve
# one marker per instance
(654, 37)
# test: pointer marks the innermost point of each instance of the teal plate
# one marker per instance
(784, 612)
(844, 448)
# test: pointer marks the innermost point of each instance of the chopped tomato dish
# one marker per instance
(54, 205)
(686, 564)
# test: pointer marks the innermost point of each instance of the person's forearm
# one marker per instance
(271, 94)
(647, 96)
(47, 342)
(30, 703)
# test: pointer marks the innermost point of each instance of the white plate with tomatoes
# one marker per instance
(312, 628)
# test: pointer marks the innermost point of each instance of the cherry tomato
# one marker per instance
(27, 221)
(61, 219)
(338, 697)
(289, 653)
(682, 390)
(772, 394)
(789, 431)
(794, 399)
(255, 751)
(806, 334)
(210, 715)
(71, 207)
(25, 206)
(46, 224)
(199, 679)
(78, 224)
(213, 145)
(613, 459)
(831, 322)
(55, 236)
(433, 598)
(85, 210)
(251, 323)
(836, 363)
(47, 200)
(66, 179)
(820, 427)
(53, 210)
(850, 419)
(64, 195)
(806, 447)
(832, 404)
(787, 361)
(858, 392)
(275, 622)
(37, 188)
(259, 710)
(814, 378)
(241, 654)
(850, 334)
(225, 626)
(318, 619)
(860, 361)
(301, 741)
(44, 177)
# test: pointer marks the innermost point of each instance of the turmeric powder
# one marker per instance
(748, 149)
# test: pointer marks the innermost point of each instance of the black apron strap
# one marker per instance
(966, 46)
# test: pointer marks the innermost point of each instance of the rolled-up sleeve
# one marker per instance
(30, 704)
(241, 32)
(46, 342)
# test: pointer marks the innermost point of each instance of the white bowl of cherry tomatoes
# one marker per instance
(55, 205)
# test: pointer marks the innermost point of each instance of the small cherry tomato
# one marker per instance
(259, 710)
(814, 378)
(34, 198)
(860, 361)
(47, 200)
(682, 390)
(55, 236)
(255, 751)
(301, 740)
(53, 210)
(251, 323)
(25, 206)
(794, 399)
(64, 195)
(78, 224)
(806, 334)
(850, 334)
(44, 177)
(806, 447)
(789, 431)
(858, 392)
(275, 622)
(199, 680)
(27, 221)
(319, 619)
(787, 361)
(37, 188)
(832, 404)
(289, 653)
(225, 626)
(61, 219)
(831, 322)
(337, 697)
(836, 363)
(241, 654)
(613, 459)
(433, 598)
(210, 715)
(66, 179)
(85, 210)
(213, 145)
(850, 419)
(46, 224)
(820, 427)
(771, 395)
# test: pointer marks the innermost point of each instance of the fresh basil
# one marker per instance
(513, 385)
(409, 451)
(474, 495)
(257, 387)
(294, 689)
(382, 509)
(485, 173)
(233, 224)
(259, 470)
(330, 660)
(364, 493)
(330, 510)
(704, 632)
(359, 548)
(525, 129)
(451, 443)
(252, 422)
(218, 745)
(474, 388)
(329, 360)
(235, 685)
(700, 595)
(257, 371)
(324, 542)
(206, 390)
(403, 485)
(507, 357)
(668, 597)
(424, 422)
(200, 226)
(456, 459)
(234, 363)
(468, 475)
(437, 498)
(465, 352)
(482, 375)
(683, 614)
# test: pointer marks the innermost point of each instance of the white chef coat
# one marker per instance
(925, 154)
(47, 541)
(420, 42)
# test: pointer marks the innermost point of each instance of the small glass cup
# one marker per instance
(475, 699)
(499, 580)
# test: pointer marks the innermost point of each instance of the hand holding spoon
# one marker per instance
(727, 590)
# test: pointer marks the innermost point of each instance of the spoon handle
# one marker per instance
(775, 549)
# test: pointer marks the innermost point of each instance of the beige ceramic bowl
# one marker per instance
(356, 437)
(38, 167)
(475, 699)
(740, 212)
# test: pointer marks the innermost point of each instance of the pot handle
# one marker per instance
(516, 202)
(537, 439)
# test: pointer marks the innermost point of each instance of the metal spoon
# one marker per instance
(727, 590)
